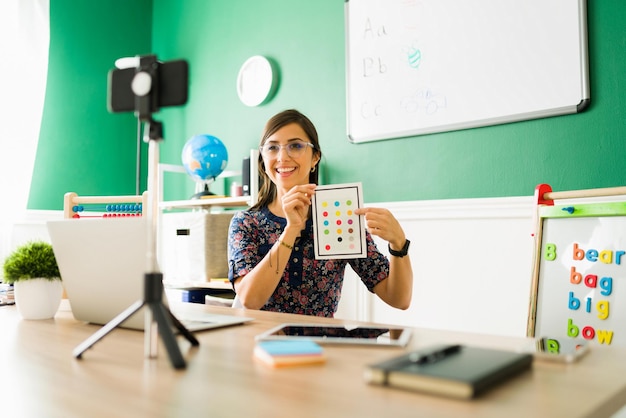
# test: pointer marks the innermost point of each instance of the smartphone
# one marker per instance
(173, 86)
(561, 350)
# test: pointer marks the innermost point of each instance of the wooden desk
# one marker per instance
(40, 377)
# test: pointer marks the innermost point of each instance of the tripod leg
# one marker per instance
(162, 318)
(183, 330)
(102, 332)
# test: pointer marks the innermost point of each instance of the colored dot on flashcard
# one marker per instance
(352, 246)
(338, 221)
(349, 202)
(350, 221)
(337, 203)
(350, 230)
(351, 238)
(326, 223)
(339, 239)
(327, 247)
(349, 212)
(339, 232)
(324, 204)
(338, 213)
(324, 213)
(326, 232)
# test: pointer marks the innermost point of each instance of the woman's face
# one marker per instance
(288, 156)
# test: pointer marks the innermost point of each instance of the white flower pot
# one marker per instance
(38, 298)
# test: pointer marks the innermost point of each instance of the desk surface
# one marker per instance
(40, 377)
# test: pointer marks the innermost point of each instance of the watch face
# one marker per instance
(256, 81)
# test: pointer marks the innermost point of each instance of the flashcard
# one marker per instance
(338, 232)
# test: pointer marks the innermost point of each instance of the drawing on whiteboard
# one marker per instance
(425, 101)
(414, 57)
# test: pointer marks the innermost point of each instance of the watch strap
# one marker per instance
(404, 251)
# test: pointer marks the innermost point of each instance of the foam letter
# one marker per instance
(591, 280)
(579, 254)
(549, 252)
(606, 284)
(575, 277)
(618, 257)
(552, 346)
(588, 305)
(588, 333)
(605, 337)
(572, 330)
(573, 303)
(603, 309)
(592, 255)
(606, 256)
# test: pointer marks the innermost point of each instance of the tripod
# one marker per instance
(158, 318)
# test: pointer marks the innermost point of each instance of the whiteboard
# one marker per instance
(579, 283)
(421, 66)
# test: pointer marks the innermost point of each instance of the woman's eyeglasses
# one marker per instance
(294, 149)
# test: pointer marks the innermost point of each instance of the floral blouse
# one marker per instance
(308, 286)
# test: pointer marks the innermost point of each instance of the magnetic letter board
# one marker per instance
(579, 274)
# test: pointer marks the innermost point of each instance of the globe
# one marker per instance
(204, 157)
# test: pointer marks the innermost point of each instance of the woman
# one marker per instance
(270, 246)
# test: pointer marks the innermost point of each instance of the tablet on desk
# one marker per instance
(340, 334)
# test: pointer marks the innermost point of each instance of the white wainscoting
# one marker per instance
(472, 261)
(32, 227)
(472, 265)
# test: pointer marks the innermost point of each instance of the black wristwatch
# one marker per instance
(404, 251)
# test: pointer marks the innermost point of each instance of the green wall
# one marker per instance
(306, 39)
(82, 147)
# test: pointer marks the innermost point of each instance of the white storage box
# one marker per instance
(193, 246)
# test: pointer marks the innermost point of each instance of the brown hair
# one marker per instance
(267, 189)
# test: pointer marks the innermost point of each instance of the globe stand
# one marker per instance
(205, 192)
(158, 318)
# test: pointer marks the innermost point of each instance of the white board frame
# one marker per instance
(417, 67)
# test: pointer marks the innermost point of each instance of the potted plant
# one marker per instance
(33, 271)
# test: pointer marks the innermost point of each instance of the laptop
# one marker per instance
(102, 263)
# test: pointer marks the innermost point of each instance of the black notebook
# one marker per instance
(450, 370)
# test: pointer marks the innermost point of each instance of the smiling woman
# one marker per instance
(272, 264)
(25, 34)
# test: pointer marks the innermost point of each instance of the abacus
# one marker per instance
(75, 206)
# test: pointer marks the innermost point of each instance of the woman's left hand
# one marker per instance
(382, 223)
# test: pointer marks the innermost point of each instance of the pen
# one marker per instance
(434, 356)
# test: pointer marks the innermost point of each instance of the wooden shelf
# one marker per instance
(240, 201)
(206, 203)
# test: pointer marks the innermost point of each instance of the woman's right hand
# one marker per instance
(296, 203)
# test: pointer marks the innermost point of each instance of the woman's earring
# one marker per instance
(313, 169)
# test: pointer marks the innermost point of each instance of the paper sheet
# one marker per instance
(338, 232)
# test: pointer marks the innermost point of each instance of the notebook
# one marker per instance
(457, 371)
(102, 264)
